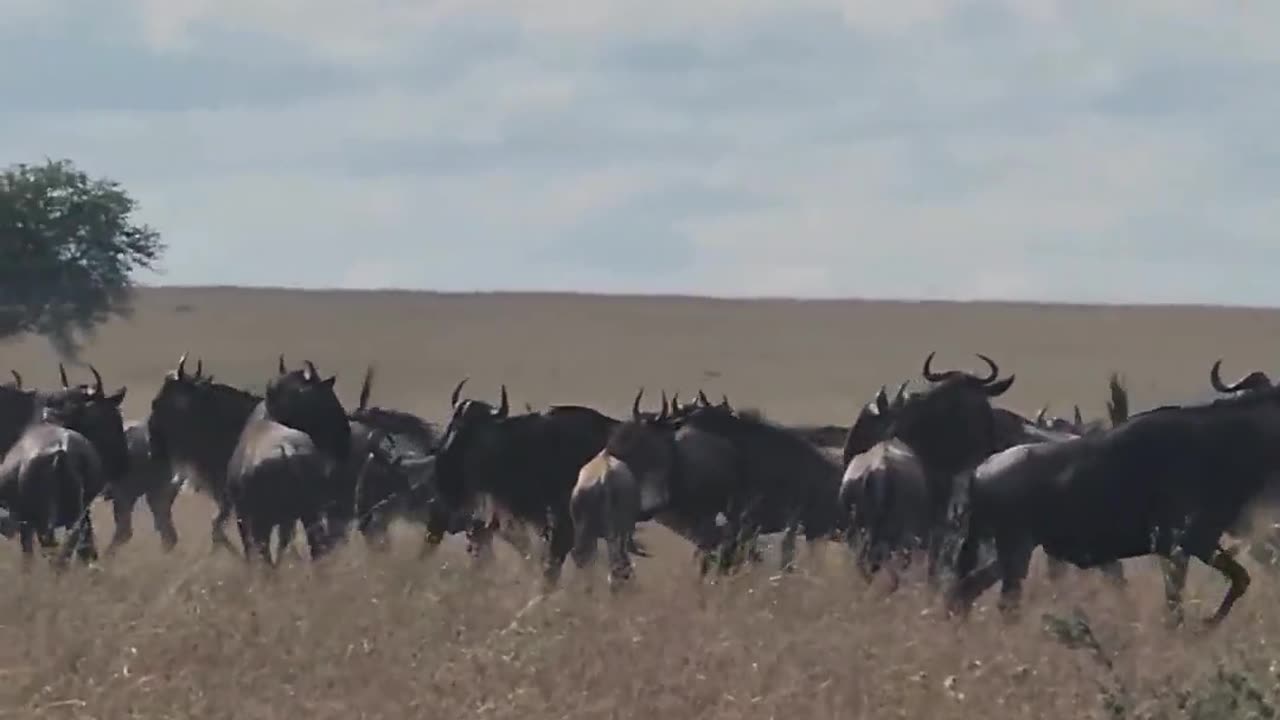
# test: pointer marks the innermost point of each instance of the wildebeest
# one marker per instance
(887, 491)
(69, 450)
(194, 426)
(612, 493)
(286, 466)
(949, 426)
(782, 483)
(148, 477)
(393, 453)
(1167, 482)
(527, 464)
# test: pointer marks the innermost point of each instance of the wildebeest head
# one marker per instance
(646, 443)
(872, 422)
(951, 426)
(471, 429)
(304, 401)
(90, 411)
(1256, 380)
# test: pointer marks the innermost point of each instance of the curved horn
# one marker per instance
(310, 372)
(16, 378)
(1000, 387)
(62, 373)
(453, 399)
(995, 369)
(635, 404)
(675, 401)
(1040, 415)
(702, 398)
(366, 387)
(97, 380)
(662, 415)
(200, 367)
(1078, 417)
(280, 366)
(724, 400)
(928, 372)
(1253, 381)
(182, 366)
(505, 407)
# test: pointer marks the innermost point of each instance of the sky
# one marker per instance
(1082, 150)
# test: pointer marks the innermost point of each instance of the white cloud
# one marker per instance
(951, 148)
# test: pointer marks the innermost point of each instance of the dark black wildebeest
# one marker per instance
(611, 496)
(69, 450)
(1167, 482)
(781, 483)
(527, 464)
(287, 466)
(194, 426)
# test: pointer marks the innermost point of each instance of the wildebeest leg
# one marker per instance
(317, 535)
(122, 510)
(788, 549)
(160, 502)
(1235, 573)
(219, 531)
(27, 538)
(82, 535)
(620, 569)
(284, 541)
(1013, 551)
(260, 540)
(430, 543)
(559, 544)
(479, 541)
(1175, 579)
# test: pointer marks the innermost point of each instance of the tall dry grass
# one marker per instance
(361, 635)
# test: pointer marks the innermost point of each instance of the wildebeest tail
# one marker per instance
(1118, 405)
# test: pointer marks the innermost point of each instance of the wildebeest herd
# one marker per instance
(937, 472)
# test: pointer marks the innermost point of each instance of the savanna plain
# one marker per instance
(195, 634)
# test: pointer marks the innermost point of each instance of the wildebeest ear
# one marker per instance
(329, 381)
(118, 397)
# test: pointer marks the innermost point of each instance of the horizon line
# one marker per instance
(898, 300)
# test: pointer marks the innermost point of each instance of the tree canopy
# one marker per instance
(68, 249)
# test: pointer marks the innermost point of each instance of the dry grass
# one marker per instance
(195, 635)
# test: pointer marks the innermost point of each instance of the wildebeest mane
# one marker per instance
(398, 423)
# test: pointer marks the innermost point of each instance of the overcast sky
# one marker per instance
(1059, 150)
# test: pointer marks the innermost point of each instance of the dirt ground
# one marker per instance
(193, 634)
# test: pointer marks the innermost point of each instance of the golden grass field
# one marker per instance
(195, 635)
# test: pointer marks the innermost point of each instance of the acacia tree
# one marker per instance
(67, 252)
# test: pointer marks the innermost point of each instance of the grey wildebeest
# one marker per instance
(71, 448)
(526, 464)
(886, 490)
(394, 452)
(611, 496)
(286, 466)
(1166, 482)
